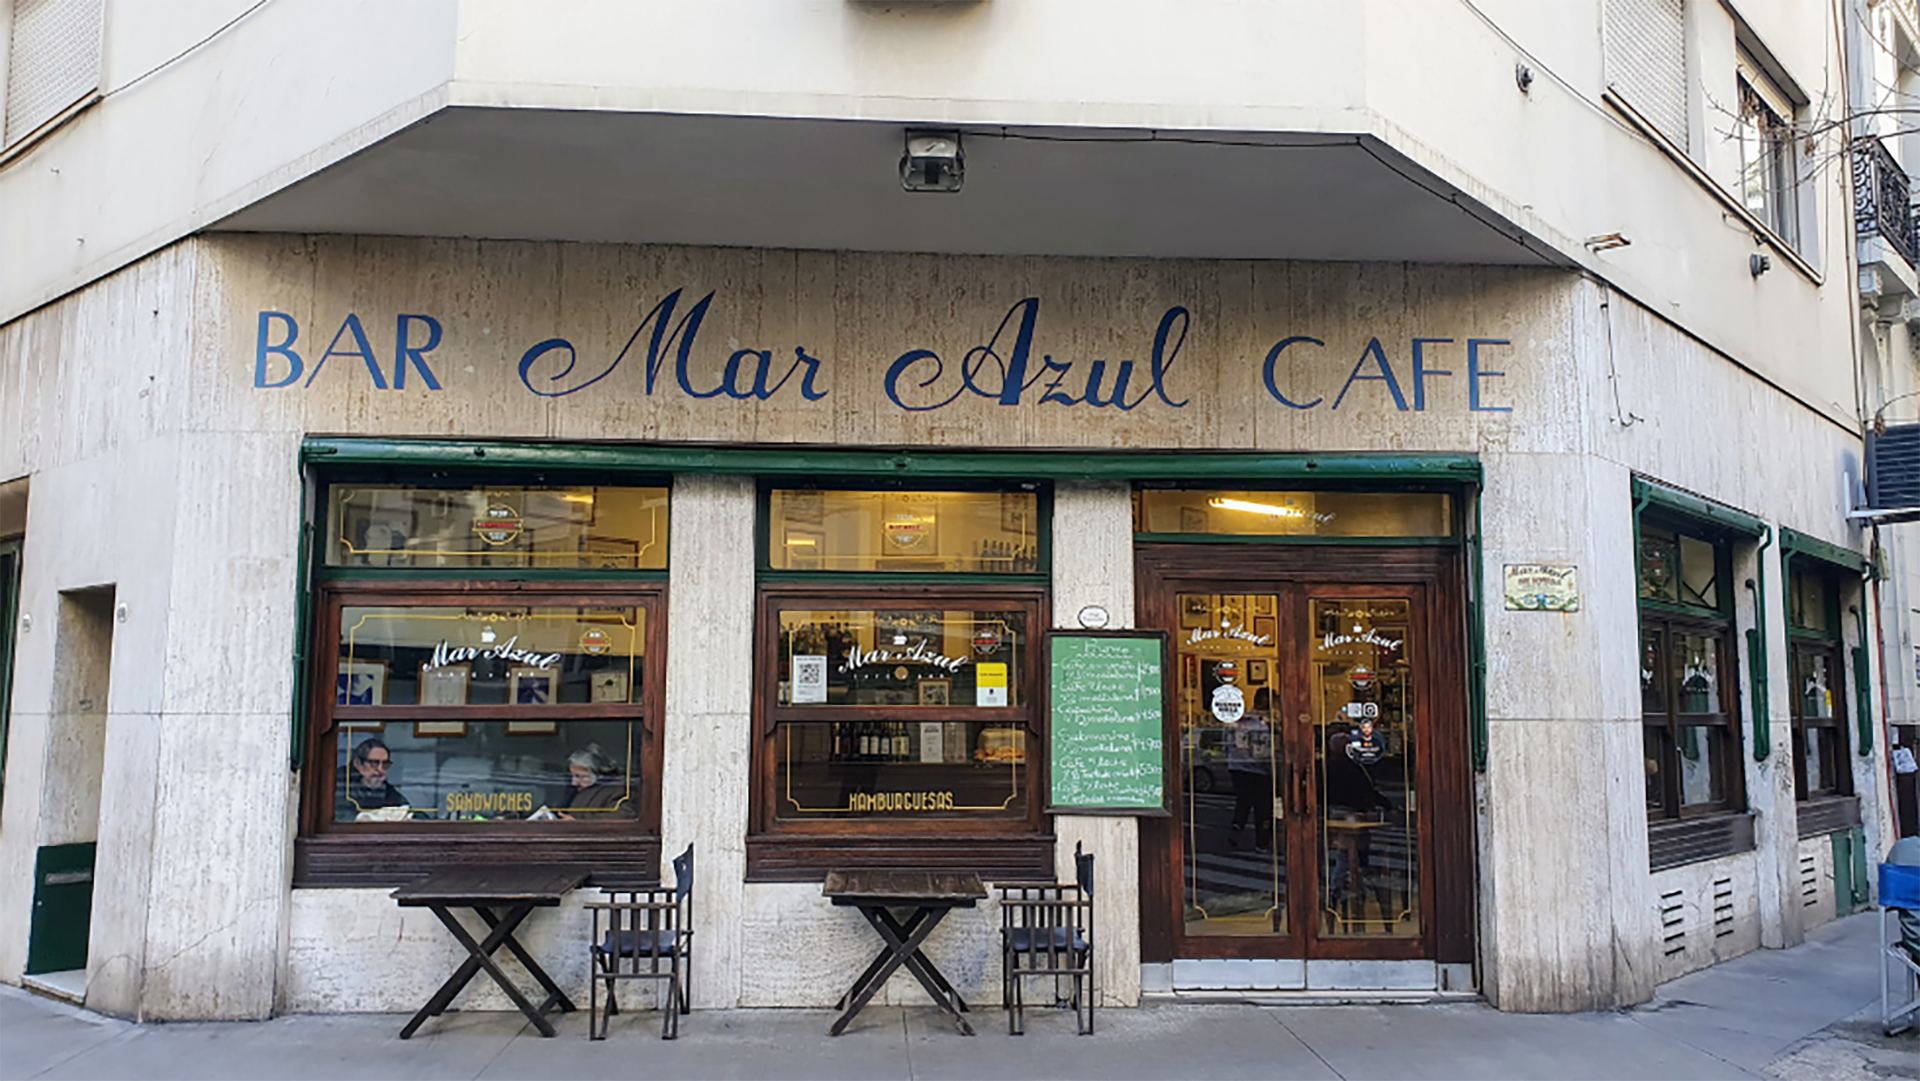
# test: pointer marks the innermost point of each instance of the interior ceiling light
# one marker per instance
(1267, 509)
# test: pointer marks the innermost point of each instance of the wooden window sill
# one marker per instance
(808, 857)
(1828, 814)
(339, 861)
(1677, 842)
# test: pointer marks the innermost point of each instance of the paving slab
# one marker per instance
(1805, 1013)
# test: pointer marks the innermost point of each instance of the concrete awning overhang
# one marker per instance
(833, 184)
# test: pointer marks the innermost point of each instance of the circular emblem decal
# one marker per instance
(498, 524)
(1362, 677)
(986, 641)
(596, 642)
(908, 530)
(1229, 704)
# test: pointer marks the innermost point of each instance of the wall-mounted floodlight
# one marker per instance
(933, 162)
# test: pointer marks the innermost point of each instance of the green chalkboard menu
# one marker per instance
(1106, 722)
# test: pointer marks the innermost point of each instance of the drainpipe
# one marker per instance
(1757, 654)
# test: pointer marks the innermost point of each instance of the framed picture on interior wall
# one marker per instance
(610, 553)
(1193, 519)
(1266, 627)
(533, 728)
(1195, 609)
(445, 685)
(1015, 517)
(1263, 604)
(454, 729)
(361, 683)
(1257, 673)
(529, 686)
(608, 686)
(935, 692)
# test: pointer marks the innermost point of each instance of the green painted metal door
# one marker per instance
(62, 908)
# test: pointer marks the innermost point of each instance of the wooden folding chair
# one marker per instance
(644, 935)
(1049, 927)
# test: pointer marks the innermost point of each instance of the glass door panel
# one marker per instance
(1234, 865)
(1364, 750)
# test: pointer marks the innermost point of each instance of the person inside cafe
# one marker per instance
(597, 787)
(366, 788)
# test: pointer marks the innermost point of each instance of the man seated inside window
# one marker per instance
(365, 786)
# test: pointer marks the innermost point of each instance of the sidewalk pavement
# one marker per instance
(1805, 1013)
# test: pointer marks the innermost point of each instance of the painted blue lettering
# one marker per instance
(405, 354)
(899, 368)
(1475, 374)
(800, 357)
(1013, 366)
(1053, 389)
(262, 347)
(361, 349)
(1379, 356)
(1123, 374)
(1266, 371)
(691, 327)
(728, 381)
(1421, 371)
(1163, 357)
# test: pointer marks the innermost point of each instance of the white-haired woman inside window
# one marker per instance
(599, 789)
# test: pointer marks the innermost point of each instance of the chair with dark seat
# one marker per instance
(644, 934)
(1046, 932)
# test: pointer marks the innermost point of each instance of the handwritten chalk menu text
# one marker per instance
(1106, 721)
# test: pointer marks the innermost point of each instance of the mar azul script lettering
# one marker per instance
(917, 653)
(447, 653)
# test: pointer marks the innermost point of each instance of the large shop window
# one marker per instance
(895, 693)
(1690, 705)
(486, 682)
(1822, 774)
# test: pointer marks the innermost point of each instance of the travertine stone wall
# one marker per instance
(1092, 541)
(707, 734)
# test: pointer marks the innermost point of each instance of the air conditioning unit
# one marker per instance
(1893, 473)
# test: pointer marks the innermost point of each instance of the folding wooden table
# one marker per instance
(931, 895)
(503, 896)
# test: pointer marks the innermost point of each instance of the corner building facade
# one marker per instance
(1518, 633)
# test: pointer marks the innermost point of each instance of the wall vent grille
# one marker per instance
(1893, 467)
(1809, 880)
(1673, 922)
(1722, 907)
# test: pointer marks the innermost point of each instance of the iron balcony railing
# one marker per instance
(1880, 199)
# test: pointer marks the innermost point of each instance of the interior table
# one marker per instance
(930, 895)
(503, 897)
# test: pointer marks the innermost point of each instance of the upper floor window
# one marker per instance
(1769, 167)
(53, 61)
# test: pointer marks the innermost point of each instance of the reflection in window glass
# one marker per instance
(1653, 691)
(903, 658)
(918, 532)
(1703, 755)
(544, 528)
(1654, 741)
(1308, 514)
(489, 654)
(1699, 576)
(901, 770)
(486, 771)
(1810, 602)
(1696, 660)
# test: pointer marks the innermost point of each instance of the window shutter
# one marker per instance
(1646, 58)
(52, 61)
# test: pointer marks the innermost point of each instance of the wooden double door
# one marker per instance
(1321, 796)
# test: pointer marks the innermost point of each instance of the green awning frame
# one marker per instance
(1656, 496)
(820, 462)
(1794, 543)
